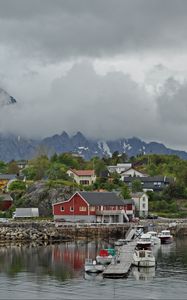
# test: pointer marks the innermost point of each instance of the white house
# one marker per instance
(141, 203)
(131, 172)
(119, 168)
(83, 177)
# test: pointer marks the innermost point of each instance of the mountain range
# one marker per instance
(17, 147)
(14, 147)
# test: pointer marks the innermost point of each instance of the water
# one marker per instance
(56, 272)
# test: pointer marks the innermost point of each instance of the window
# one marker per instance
(82, 208)
(143, 205)
(71, 208)
(143, 199)
(92, 208)
(84, 182)
(62, 208)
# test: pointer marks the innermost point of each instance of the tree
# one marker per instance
(174, 190)
(12, 167)
(17, 185)
(100, 167)
(3, 167)
(39, 167)
(57, 171)
(125, 192)
(136, 185)
(68, 160)
(115, 178)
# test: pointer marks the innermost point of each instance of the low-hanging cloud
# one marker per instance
(107, 106)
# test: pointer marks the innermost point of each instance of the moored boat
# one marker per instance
(143, 258)
(165, 237)
(154, 237)
(91, 266)
(105, 256)
(145, 241)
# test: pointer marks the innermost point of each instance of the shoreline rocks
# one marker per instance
(41, 231)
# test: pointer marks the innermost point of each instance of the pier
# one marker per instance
(121, 269)
(121, 266)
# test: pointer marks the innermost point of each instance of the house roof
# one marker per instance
(102, 198)
(150, 179)
(8, 176)
(83, 172)
(134, 169)
(128, 201)
(138, 194)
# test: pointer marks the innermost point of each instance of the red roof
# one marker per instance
(84, 172)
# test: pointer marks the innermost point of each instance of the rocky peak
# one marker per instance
(5, 98)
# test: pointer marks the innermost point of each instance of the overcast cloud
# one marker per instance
(107, 68)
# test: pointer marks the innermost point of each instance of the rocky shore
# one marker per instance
(49, 232)
(28, 232)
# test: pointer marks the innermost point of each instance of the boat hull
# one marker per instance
(143, 258)
(166, 240)
(104, 260)
(93, 269)
(91, 266)
(144, 263)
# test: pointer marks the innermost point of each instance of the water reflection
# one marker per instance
(65, 261)
(93, 277)
(143, 273)
(61, 261)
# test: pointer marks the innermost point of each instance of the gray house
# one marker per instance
(150, 183)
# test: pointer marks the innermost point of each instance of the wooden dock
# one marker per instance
(121, 269)
(130, 234)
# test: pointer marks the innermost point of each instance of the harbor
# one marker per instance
(135, 249)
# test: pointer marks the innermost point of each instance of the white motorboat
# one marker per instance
(165, 237)
(145, 241)
(143, 258)
(154, 237)
(91, 266)
(105, 256)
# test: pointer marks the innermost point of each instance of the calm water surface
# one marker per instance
(56, 272)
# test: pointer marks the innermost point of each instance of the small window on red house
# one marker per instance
(62, 208)
(71, 208)
(82, 208)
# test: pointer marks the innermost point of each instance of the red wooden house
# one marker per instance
(94, 207)
(5, 201)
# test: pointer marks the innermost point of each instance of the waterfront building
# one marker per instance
(104, 207)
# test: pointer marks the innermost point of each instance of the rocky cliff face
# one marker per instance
(41, 196)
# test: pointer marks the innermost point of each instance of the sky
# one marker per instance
(107, 68)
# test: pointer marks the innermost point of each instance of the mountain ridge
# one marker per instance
(14, 147)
